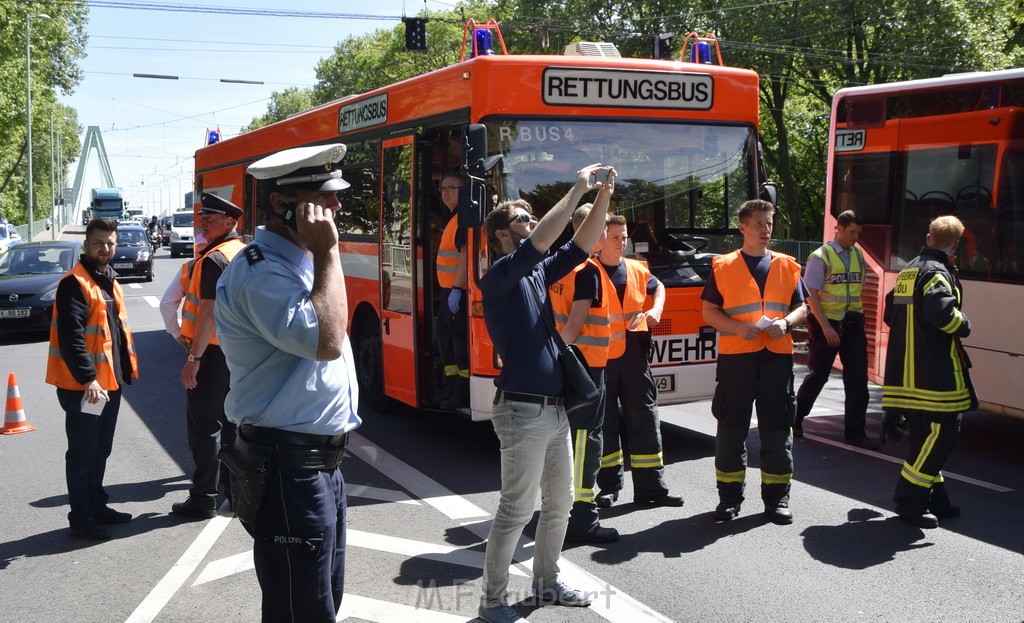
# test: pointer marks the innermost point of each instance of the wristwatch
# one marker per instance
(789, 327)
(192, 357)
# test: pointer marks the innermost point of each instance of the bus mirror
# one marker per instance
(475, 161)
(770, 193)
(471, 203)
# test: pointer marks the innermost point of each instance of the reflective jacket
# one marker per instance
(595, 334)
(926, 367)
(841, 291)
(741, 300)
(98, 337)
(193, 296)
(448, 254)
(622, 314)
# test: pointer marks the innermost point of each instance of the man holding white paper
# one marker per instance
(754, 297)
(91, 356)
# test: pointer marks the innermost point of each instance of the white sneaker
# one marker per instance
(561, 595)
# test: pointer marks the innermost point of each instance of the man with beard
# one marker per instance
(91, 355)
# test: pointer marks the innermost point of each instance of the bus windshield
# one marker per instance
(679, 186)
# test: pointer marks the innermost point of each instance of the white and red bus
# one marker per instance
(683, 137)
(904, 153)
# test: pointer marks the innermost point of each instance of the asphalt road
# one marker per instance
(422, 488)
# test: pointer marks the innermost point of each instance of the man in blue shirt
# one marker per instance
(282, 315)
(528, 415)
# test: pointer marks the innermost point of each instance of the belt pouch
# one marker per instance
(251, 470)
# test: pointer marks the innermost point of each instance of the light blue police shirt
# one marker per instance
(268, 330)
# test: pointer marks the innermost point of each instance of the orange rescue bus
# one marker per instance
(682, 135)
(904, 153)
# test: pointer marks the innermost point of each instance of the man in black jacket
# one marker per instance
(92, 356)
(926, 371)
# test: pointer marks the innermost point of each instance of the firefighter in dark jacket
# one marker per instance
(926, 372)
(91, 357)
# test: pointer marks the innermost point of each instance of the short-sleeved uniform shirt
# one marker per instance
(269, 332)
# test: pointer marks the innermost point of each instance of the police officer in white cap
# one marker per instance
(282, 315)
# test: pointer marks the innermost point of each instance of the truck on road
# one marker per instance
(106, 202)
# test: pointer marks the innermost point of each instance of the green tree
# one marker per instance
(56, 47)
(283, 104)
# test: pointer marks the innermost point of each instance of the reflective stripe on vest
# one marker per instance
(595, 333)
(193, 299)
(841, 291)
(742, 300)
(637, 276)
(448, 254)
(98, 337)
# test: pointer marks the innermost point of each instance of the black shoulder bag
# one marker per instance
(579, 390)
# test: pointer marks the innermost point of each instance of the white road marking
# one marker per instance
(152, 300)
(367, 609)
(429, 491)
(226, 566)
(134, 286)
(376, 493)
(175, 578)
(899, 461)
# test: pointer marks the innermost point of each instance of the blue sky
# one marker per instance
(151, 128)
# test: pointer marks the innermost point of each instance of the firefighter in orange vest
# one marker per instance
(205, 373)
(581, 305)
(91, 357)
(629, 381)
(754, 297)
(452, 329)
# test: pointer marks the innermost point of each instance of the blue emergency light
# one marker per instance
(212, 136)
(484, 45)
(700, 52)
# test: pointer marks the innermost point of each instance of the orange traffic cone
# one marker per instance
(14, 418)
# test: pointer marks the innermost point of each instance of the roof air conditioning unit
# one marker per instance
(592, 48)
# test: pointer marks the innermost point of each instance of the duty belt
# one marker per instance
(322, 452)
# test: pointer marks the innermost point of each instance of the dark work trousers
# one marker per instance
(586, 455)
(629, 383)
(452, 332)
(299, 545)
(932, 437)
(208, 428)
(90, 440)
(764, 378)
(853, 352)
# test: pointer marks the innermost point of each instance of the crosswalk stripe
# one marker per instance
(366, 609)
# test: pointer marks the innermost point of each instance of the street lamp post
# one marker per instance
(28, 107)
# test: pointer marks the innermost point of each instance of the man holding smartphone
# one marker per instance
(282, 315)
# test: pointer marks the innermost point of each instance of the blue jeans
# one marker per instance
(535, 453)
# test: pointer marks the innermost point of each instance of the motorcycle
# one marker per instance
(154, 241)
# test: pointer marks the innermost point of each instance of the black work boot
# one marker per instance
(460, 395)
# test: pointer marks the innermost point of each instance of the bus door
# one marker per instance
(398, 267)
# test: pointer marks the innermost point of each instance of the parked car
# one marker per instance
(29, 274)
(134, 256)
(182, 233)
(8, 236)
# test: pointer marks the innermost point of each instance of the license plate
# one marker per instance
(665, 382)
(22, 312)
(124, 265)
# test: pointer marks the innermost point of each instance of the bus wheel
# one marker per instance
(369, 363)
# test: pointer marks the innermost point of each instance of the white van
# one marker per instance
(182, 236)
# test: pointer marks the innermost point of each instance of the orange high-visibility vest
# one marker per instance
(742, 300)
(448, 254)
(98, 338)
(622, 314)
(595, 333)
(193, 299)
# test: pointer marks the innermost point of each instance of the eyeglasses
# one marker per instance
(523, 218)
(450, 188)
